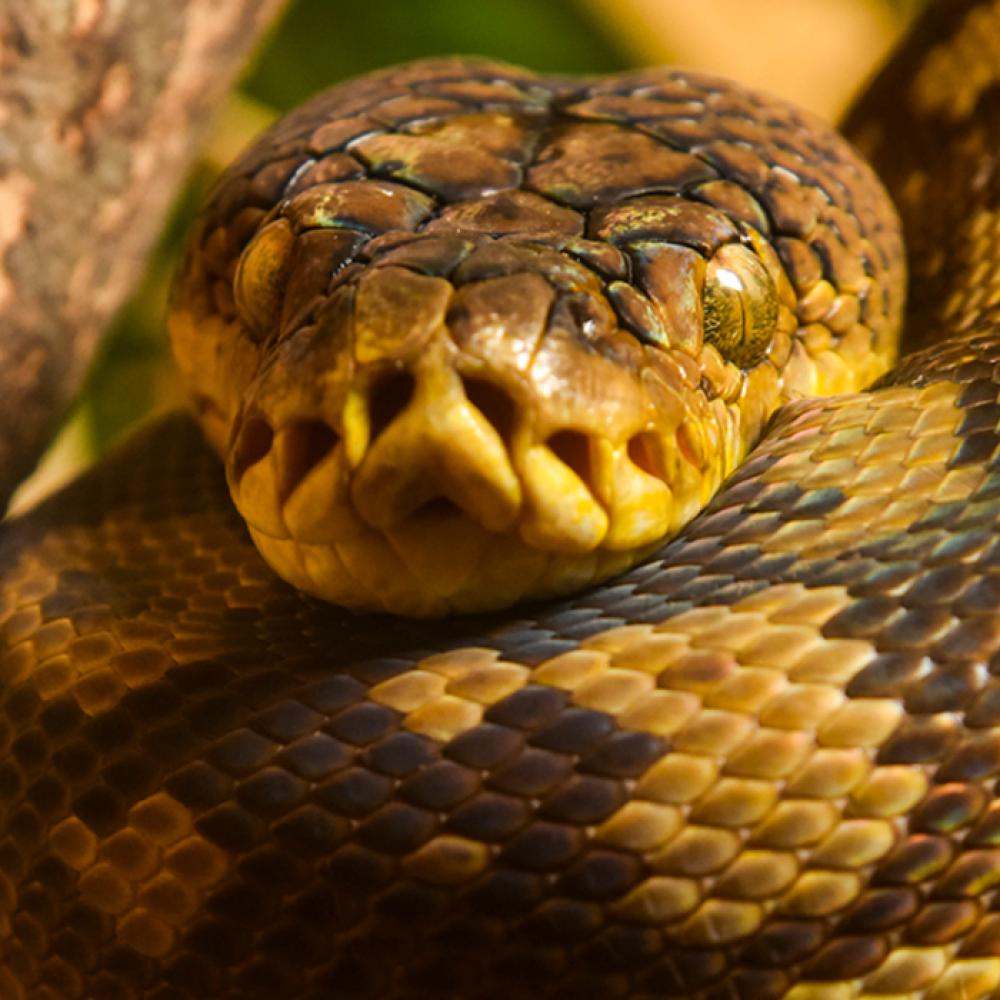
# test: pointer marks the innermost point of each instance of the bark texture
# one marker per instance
(102, 105)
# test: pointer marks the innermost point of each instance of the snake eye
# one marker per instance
(740, 305)
(260, 278)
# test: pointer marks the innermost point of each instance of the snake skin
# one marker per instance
(762, 764)
(930, 125)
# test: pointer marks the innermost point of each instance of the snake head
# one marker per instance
(486, 337)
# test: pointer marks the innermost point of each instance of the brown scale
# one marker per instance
(762, 764)
(949, 119)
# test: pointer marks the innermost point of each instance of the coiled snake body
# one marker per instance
(760, 764)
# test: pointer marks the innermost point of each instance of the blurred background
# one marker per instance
(815, 52)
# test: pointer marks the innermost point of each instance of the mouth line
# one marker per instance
(312, 444)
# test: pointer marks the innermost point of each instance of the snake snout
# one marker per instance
(465, 421)
(420, 449)
(437, 452)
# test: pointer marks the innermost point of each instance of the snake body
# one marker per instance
(760, 764)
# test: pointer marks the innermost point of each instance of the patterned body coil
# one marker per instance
(762, 764)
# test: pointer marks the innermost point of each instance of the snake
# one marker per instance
(559, 734)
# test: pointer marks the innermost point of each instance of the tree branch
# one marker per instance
(102, 105)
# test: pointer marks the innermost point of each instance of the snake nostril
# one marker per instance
(252, 444)
(493, 403)
(388, 398)
(572, 448)
(645, 451)
(304, 445)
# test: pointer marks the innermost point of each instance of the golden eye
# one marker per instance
(260, 278)
(740, 305)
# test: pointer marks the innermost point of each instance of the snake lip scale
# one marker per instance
(760, 763)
